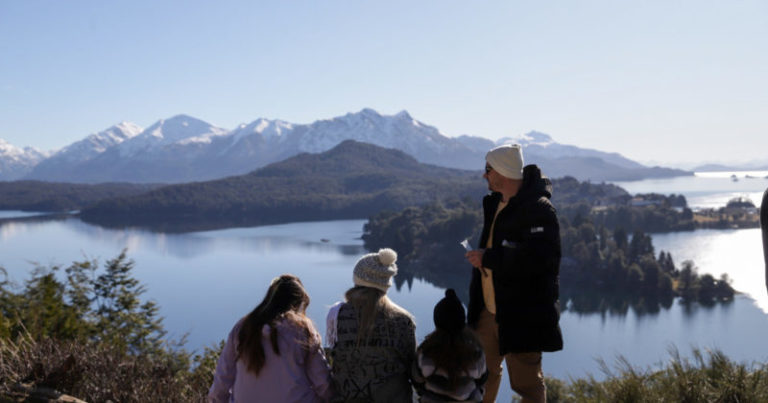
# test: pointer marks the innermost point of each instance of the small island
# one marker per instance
(739, 212)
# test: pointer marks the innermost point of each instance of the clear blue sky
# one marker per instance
(656, 80)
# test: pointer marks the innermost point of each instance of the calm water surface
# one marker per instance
(706, 189)
(205, 281)
(18, 214)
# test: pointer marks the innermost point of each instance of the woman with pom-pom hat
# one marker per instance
(371, 340)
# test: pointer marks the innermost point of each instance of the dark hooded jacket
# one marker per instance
(525, 260)
(764, 227)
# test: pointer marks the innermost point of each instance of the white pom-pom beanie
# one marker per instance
(507, 160)
(376, 269)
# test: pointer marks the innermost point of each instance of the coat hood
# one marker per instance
(535, 184)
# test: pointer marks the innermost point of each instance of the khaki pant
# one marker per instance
(524, 369)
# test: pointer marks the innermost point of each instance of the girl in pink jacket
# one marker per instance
(274, 353)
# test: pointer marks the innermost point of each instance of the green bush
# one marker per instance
(90, 335)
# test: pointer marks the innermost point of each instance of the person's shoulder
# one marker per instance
(294, 323)
(238, 325)
(545, 204)
(402, 315)
(333, 311)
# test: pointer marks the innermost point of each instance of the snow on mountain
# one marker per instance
(17, 162)
(183, 149)
(398, 131)
(269, 130)
(61, 164)
(8, 150)
(179, 130)
(97, 143)
(11, 152)
(539, 146)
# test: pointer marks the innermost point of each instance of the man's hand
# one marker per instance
(475, 258)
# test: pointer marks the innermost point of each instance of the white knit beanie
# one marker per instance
(507, 160)
(376, 269)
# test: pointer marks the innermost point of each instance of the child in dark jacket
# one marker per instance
(450, 364)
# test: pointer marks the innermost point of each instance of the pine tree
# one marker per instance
(122, 319)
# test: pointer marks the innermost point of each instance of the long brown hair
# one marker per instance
(368, 303)
(453, 351)
(286, 298)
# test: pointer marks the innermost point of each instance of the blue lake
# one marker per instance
(706, 189)
(205, 281)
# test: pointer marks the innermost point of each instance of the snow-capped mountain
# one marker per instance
(178, 131)
(59, 166)
(183, 149)
(539, 146)
(171, 150)
(17, 162)
(399, 131)
(96, 144)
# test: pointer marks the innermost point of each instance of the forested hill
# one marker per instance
(352, 180)
(60, 197)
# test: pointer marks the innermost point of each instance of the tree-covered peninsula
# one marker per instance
(609, 262)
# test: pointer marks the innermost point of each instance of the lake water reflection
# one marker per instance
(706, 189)
(205, 281)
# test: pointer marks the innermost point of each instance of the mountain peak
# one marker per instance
(16, 162)
(130, 129)
(181, 127)
(536, 137)
(347, 157)
(27, 153)
(531, 138)
(98, 142)
(404, 115)
(8, 148)
(267, 128)
(369, 112)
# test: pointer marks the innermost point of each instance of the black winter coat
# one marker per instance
(764, 227)
(525, 260)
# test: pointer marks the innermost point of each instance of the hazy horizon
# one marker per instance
(673, 84)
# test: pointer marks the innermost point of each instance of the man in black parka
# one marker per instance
(514, 293)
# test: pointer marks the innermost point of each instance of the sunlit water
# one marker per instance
(737, 253)
(706, 189)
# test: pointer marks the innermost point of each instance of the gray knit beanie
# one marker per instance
(507, 160)
(376, 269)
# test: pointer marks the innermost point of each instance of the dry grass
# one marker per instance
(99, 373)
(707, 377)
